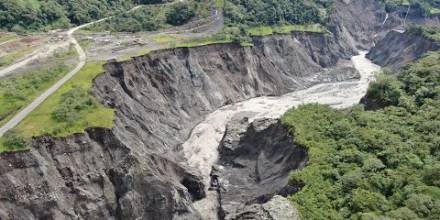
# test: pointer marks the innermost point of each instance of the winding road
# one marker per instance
(20, 116)
(200, 149)
(40, 99)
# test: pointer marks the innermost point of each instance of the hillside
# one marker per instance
(381, 164)
(38, 15)
(219, 110)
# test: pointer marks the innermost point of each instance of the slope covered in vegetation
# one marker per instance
(35, 15)
(429, 7)
(154, 17)
(239, 14)
(382, 164)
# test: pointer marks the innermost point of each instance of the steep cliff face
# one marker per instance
(398, 49)
(361, 23)
(136, 169)
(357, 22)
(254, 164)
(93, 176)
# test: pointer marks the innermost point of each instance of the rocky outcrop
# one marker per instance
(361, 23)
(278, 208)
(357, 22)
(254, 163)
(136, 170)
(94, 176)
(398, 49)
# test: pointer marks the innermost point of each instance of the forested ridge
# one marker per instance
(273, 12)
(37, 15)
(382, 164)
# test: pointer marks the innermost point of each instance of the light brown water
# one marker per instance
(201, 148)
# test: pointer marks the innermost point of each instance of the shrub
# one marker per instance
(180, 13)
(72, 103)
(13, 141)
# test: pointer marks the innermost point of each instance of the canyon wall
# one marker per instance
(398, 49)
(135, 170)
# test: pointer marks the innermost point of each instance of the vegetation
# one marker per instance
(282, 29)
(154, 17)
(265, 17)
(12, 142)
(180, 13)
(7, 37)
(430, 32)
(382, 164)
(72, 103)
(38, 15)
(17, 91)
(10, 58)
(69, 110)
(271, 12)
(429, 7)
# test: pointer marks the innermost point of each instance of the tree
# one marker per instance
(180, 13)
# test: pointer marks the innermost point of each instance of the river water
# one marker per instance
(200, 149)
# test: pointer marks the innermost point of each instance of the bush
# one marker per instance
(180, 13)
(13, 141)
(381, 164)
(385, 90)
(72, 103)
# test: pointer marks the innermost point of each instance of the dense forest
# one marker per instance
(272, 12)
(154, 17)
(429, 7)
(37, 15)
(428, 31)
(238, 14)
(382, 164)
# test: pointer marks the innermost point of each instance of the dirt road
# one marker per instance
(40, 99)
(50, 49)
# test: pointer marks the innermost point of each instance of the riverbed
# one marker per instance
(200, 149)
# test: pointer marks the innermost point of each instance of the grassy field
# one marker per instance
(7, 37)
(41, 121)
(11, 57)
(284, 29)
(19, 90)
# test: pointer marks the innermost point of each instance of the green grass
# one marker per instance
(13, 142)
(435, 11)
(172, 41)
(147, 18)
(284, 29)
(11, 57)
(428, 31)
(166, 38)
(41, 122)
(19, 90)
(7, 37)
(219, 4)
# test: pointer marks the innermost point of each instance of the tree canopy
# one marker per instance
(35, 15)
(382, 164)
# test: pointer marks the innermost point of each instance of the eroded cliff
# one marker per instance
(254, 164)
(136, 169)
(398, 49)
